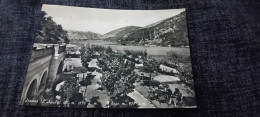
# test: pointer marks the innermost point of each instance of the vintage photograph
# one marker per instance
(109, 58)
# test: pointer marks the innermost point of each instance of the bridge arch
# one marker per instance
(60, 68)
(43, 79)
(32, 90)
(32, 87)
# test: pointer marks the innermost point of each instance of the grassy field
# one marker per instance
(152, 50)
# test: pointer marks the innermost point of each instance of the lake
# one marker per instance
(151, 50)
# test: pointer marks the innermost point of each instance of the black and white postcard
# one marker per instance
(109, 58)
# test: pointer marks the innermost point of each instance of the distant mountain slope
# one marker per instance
(81, 35)
(169, 32)
(119, 33)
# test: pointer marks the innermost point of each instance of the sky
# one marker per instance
(104, 20)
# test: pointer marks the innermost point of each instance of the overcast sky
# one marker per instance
(104, 20)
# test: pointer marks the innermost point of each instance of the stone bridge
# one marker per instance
(46, 64)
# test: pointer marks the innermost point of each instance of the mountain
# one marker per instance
(168, 32)
(118, 34)
(81, 35)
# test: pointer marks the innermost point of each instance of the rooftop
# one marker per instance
(166, 78)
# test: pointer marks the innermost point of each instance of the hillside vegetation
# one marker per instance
(82, 35)
(168, 32)
(118, 34)
(50, 32)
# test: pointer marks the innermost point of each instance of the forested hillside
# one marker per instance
(169, 32)
(81, 35)
(118, 34)
(50, 32)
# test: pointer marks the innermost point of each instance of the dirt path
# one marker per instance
(140, 99)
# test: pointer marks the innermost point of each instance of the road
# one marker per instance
(140, 99)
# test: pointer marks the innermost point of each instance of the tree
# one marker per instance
(109, 50)
(150, 65)
(186, 73)
(94, 101)
(174, 58)
(69, 88)
(50, 32)
(86, 54)
(119, 81)
(117, 77)
(144, 54)
(82, 50)
(127, 52)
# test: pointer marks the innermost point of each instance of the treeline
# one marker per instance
(49, 31)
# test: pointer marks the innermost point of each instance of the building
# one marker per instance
(166, 79)
(168, 69)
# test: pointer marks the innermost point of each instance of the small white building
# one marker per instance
(168, 69)
(138, 65)
(166, 79)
